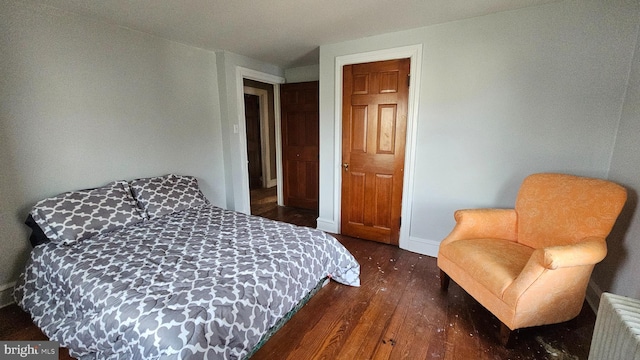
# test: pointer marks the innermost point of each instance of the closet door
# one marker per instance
(374, 123)
(300, 144)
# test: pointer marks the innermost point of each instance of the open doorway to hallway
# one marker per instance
(261, 144)
(299, 136)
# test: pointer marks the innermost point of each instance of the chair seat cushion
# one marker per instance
(493, 263)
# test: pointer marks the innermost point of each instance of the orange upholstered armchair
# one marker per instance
(531, 265)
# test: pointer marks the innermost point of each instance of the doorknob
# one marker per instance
(345, 166)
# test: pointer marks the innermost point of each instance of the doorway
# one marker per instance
(260, 124)
(330, 211)
(240, 171)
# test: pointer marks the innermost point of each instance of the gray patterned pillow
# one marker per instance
(74, 216)
(167, 194)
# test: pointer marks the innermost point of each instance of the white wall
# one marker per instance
(302, 74)
(502, 96)
(618, 272)
(83, 103)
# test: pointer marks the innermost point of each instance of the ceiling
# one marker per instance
(286, 33)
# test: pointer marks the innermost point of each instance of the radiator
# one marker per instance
(616, 334)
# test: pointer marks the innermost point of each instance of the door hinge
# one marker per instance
(408, 80)
(400, 222)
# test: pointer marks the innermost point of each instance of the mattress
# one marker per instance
(201, 283)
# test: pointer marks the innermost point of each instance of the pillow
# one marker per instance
(167, 194)
(74, 216)
(37, 235)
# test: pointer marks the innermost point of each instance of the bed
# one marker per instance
(149, 269)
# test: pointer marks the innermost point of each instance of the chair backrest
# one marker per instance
(559, 209)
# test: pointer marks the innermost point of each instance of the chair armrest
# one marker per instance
(587, 252)
(483, 223)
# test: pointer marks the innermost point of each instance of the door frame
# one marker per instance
(241, 74)
(265, 148)
(413, 52)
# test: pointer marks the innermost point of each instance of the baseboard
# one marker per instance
(6, 294)
(414, 244)
(329, 226)
(421, 246)
(593, 296)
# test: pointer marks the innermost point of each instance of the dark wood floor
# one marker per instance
(398, 312)
(263, 200)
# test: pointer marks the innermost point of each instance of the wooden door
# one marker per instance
(374, 122)
(300, 140)
(254, 147)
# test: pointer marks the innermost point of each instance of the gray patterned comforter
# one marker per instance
(200, 283)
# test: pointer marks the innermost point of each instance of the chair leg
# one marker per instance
(444, 281)
(506, 336)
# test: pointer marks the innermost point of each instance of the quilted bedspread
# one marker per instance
(202, 283)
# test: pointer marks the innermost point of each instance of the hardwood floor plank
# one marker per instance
(400, 274)
(338, 318)
(460, 341)
(413, 316)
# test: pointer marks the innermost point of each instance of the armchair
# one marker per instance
(531, 265)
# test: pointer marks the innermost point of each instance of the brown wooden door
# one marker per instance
(254, 147)
(374, 122)
(300, 140)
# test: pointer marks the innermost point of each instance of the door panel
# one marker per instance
(374, 117)
(300, 144)
(386, 129)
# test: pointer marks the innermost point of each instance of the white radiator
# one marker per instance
(616, 334)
